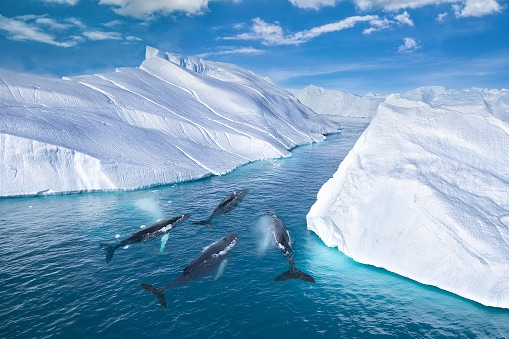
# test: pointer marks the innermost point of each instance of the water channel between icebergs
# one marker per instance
(55, 282)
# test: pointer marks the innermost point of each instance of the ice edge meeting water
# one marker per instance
(60, 285)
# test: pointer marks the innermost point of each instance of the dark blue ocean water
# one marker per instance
(54, 281)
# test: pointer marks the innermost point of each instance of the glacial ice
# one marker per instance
(170, 120)
(424, 193)
(339, 105)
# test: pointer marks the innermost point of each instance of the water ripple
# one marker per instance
(55, 282)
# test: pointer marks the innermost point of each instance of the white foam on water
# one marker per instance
(264, 235)
(149, 206)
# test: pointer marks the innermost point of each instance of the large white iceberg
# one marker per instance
(339, 105)
(424, 193)
(170, 120)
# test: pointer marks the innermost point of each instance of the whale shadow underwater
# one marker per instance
(160, 227)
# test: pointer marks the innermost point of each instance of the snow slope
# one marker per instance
(338, 105)
(424, 193)
(169, 120)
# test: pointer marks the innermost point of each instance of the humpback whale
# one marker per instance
(224, 206)
(158, 228)
(210, 258)
(283, 241)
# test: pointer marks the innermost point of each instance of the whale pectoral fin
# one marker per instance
(220, 269)
(164, 239)
(158, 292)
(294, 274)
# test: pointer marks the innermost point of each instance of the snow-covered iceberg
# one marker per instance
(170, 120)
(424, 193)
(338, 105)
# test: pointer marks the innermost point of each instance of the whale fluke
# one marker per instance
(294, 273)
(158, 292)
(207, 223)
(109, 251)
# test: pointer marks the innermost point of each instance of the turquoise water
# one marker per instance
(55, 282)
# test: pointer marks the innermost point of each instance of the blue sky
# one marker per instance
(358, 46)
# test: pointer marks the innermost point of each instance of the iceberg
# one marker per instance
(424, 193)
(338, 105)
(169, 120)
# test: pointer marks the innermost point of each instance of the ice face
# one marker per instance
(424, 193)
(170, 120)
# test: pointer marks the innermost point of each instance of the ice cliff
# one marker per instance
(170, 120)
(424, 193)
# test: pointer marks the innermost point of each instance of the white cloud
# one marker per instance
(272, 34)
(382, 24)
(313, 4)
(52, 23)
(114, 23)
(463, 8)
(409, 45)
(441, 17)
(133, 38)
(269, 34)
(100, 35)
(63, 2)
(378, 25)
(395, 5)
(404, 19)
(233, 51)
(76, 22)
(143, 9)
(333, 27)
(478, 8)
(18, 29)
(43, 29)
(243, 50)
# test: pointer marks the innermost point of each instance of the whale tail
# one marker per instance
(109, 251)
(206, 223)
(294, 273)
(158, 292)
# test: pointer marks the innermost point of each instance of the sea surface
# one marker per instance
(55, 282)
